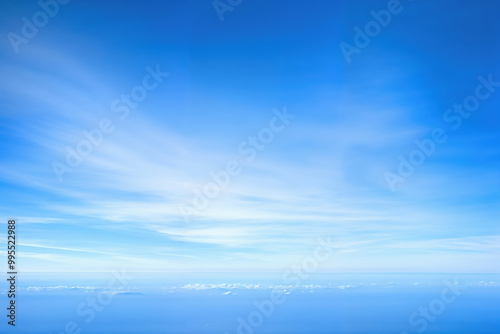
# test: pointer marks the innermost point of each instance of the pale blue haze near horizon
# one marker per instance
(217, 303)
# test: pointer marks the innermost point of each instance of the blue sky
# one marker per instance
(323, 174)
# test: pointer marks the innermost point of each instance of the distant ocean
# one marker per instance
(102, 303)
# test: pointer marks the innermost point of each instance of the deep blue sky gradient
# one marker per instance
(322, 175)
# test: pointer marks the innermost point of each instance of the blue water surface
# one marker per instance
(243, 303)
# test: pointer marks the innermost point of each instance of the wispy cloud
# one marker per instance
(322, 176)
